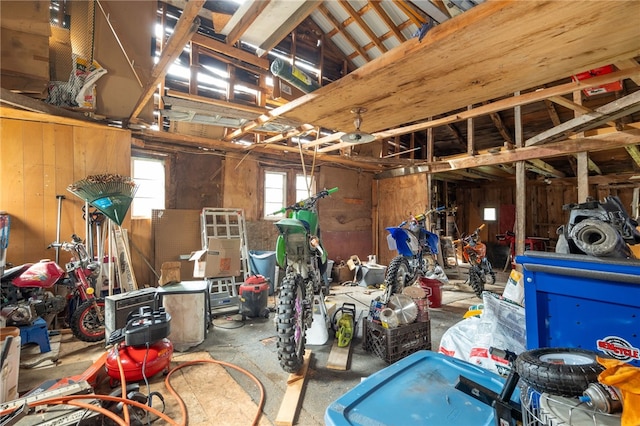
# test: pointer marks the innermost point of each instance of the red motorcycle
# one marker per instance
(474, 252)
(86, 309)
(27, 294)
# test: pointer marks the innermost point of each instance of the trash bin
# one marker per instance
(264, 263)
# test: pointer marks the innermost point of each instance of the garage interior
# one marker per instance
(509, 114)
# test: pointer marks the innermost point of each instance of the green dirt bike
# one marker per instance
(299, 252)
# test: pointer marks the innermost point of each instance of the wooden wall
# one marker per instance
(38, 160)
(345, 216)
(397, 200)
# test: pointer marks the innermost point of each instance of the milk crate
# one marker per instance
(392, 344)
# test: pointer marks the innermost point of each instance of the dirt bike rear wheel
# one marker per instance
(398, 275)
(290, 324)
(476, 282)
(85, 323)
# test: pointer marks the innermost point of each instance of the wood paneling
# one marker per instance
(38, 160)
(346, 215)
(399, 198)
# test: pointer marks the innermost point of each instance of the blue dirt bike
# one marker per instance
(300, 253)
(417, 249)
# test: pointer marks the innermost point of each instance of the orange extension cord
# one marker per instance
(70, 399)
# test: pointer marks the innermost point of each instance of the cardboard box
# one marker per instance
(220, 259)
(169, 273)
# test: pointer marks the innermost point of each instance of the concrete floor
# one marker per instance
(252, 346)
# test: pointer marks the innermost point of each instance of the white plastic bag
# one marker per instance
(514, 289)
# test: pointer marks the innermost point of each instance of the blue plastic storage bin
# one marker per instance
(264, 263)
(418, 390)
(582, 301)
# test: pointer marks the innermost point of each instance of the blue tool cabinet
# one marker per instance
(582, 301)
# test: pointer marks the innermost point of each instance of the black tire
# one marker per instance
(547, 370)
(490, 278)
(476, 282)
(399, 275)
(290, 324)
(85, 323)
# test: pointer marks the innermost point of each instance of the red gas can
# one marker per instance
(254, 293)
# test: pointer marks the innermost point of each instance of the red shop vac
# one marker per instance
(254, 293)
(146, 351)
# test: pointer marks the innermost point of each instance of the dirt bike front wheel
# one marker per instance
(290, 324)
(85, 321)
(399, 274)
(476, 282)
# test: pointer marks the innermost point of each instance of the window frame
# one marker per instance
(137, 180)
(290, 190)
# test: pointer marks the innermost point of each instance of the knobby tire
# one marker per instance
(290, 351)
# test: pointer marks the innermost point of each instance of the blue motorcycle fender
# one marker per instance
(402, 239)
(432, 241)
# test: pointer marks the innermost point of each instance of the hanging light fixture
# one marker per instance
(358, 136)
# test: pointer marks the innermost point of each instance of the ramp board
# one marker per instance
(339, 357)
(291, 400)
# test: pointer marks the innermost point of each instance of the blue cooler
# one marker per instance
(581, 301)
(418, 390)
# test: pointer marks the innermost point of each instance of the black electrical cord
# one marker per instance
(146, 382)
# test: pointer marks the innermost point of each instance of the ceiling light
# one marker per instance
(358, 136)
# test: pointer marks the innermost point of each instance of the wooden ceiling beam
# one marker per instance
(340, 27)
(415, 80)
(186, 26)
(230, 51)
(245, 22)
(411, 13)
(377, 7)
(496, 106)
(358, 19)
(611, 111)
(289, 26)
(554, 149)
(542, 168)
(505, 157)
(634, 153)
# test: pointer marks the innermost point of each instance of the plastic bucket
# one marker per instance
(433, 288)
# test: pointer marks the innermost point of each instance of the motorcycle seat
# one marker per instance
(11, 273)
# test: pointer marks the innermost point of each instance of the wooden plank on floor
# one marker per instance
(339, 357)
(291, 400)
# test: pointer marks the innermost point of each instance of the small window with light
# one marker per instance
(275, 190)
(490, 214)
(148, 174)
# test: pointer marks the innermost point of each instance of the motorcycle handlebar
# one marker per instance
(308, 202)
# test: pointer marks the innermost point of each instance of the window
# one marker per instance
(489, 214)
(277, 195)
(148, 174)
(304, 188)
(275, 190)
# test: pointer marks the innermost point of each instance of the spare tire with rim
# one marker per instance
(558, 371)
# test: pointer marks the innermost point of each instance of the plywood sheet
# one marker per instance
(176, 232)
